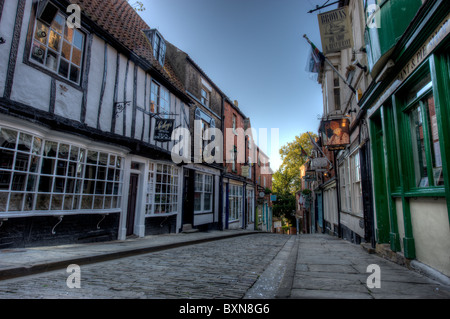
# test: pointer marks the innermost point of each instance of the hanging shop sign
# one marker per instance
(310, 177)
(319, 163)
(245, 171)
(336, 133)
(163, 130)
(335, 30)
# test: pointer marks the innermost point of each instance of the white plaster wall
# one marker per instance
(108, 96)
(129, 108)
(140, 100)
(6, 31)
(146, 125)
(431, 229)
(68, 101)
(120, 95)
(203, 219)
(352, 222)
(95, 81)
(30, 86)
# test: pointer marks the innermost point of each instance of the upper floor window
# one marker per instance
(337, 91)
(58, 48)
(205, 96)
(160, 100)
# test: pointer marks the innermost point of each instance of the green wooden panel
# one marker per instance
(391, 21)
(379, 178)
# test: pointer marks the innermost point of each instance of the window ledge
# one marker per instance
(161, 215)
(56, 213)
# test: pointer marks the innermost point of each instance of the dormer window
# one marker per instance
(158, 44)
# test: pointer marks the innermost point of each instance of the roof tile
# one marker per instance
(121, 21)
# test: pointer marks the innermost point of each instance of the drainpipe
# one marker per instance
(338, 195)
(220, 192)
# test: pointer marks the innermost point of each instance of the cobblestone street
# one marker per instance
(219, 269)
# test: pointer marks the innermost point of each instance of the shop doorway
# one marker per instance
(132, 199)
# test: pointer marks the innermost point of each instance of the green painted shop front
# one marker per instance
(408, 108)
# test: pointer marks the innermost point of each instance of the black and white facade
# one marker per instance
(78, 106)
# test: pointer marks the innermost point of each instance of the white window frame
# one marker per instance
(356, 190)
(68, 164)
(205, 96)
(204, 185)
(160, 99)
(162, 190)
(235, 200)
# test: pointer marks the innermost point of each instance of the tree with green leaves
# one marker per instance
(137, 5)
(287, 180)
(294, 155)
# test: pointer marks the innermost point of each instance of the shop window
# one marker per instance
(39, 175)
(58, 48)
(203, 193)
(162, 189)
(235, 200)
(425, 143)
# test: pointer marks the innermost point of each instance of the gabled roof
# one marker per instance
(124, 24)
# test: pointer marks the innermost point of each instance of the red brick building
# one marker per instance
(246, 204)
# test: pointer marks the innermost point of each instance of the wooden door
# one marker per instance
(132, 198)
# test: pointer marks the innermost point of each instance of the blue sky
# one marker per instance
(254, 51)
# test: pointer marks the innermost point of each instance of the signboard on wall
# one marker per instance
(335, 30)
(163, 130)
(245, 171)
(336, 133)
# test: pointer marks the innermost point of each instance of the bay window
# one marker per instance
(39, 175)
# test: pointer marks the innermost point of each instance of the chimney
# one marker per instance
(236, 103)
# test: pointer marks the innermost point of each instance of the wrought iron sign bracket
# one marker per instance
(120, 106)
